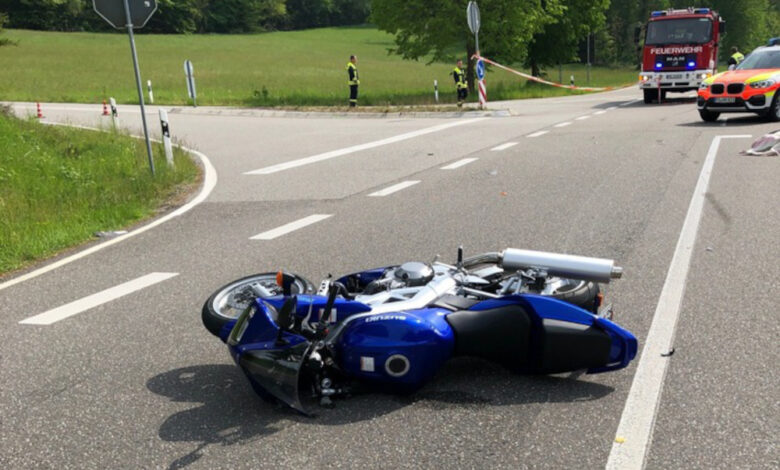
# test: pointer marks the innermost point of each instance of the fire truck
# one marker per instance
(680, 50)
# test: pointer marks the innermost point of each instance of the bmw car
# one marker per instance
(750, 88)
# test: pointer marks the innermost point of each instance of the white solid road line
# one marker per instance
(562, 124)
(503, 146)
(394, 188)
(209, 182)
(81, 305)
(635, 431)
(291, 227)
(537, 133)
(459, 163)
(358, 148)
(582, 118)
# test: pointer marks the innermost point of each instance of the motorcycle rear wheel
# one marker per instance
(227, 303)
(583, 294)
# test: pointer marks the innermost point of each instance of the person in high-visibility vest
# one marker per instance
(736, 57)
(460, 82)
(354, 81)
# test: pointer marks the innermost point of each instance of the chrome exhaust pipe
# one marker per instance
(557, 264)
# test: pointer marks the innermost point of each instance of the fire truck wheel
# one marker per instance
(708, 116)
(650, 96)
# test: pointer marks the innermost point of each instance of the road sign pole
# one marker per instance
(138, 85)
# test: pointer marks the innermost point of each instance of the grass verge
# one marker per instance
(291, 68)
(59, 186)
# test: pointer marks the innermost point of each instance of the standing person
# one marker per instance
(736, 58)
(460, 82)
(354, 81)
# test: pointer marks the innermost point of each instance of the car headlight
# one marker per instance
(762, 84)
(704, 86)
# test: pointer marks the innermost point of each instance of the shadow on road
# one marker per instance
(229, 412)
(729, 120)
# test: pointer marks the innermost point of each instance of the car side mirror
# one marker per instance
(722, 26)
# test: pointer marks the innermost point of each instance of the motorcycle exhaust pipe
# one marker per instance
(556, 264)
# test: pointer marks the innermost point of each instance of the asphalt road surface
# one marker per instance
(133, 380)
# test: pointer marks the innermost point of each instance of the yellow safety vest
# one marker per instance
(460, 78)
(738, 57)
(352, 73)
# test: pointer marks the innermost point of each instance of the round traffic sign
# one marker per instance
(480, 69)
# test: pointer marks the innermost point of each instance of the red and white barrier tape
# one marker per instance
(546, 82)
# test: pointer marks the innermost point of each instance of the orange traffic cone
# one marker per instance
(40, 114)
(105, 109)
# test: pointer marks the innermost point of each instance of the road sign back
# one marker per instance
(472, 16)
(113, 11)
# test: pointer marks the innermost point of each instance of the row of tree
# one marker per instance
(193, 16)
(538, 33)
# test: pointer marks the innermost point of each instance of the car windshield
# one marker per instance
(682, 31)
(761, 60)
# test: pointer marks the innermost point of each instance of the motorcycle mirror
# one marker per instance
(460, 257)
(323, 320)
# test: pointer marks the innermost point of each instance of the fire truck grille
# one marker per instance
(717, 89)
(735, 88)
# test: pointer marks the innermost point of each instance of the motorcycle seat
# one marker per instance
(500, 334)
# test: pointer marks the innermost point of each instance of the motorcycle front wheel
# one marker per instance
(227, 303)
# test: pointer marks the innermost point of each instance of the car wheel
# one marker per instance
(708, 116)
(773, 114)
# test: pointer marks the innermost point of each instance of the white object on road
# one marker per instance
(394, 188)
(291, 227)
(92, 301)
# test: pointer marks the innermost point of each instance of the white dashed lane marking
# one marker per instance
(291, 227)
(92, 301)
(503, 146)
(537, 134)
(563, 124)
(394, 188)
(459, 163)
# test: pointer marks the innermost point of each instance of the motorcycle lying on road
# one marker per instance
(392, 328)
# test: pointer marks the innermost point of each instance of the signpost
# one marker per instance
(191, 92)
(130, 14)
(473, 19)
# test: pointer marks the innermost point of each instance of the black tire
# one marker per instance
(709, 116)
(650, 96)
(773, 113)
(236, 294)
(583, 295)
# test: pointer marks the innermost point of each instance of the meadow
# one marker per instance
(295, 68)
(59, 186)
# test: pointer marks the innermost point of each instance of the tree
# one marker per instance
(437, 29)
(558, 42)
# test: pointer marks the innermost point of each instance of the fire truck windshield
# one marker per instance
(768, 59)
(680, 31)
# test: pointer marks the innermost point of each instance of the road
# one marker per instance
(135, 381)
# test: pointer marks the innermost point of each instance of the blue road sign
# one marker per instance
(480, 70)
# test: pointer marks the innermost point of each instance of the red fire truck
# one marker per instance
(680, 50)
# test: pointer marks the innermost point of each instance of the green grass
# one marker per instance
(298, 68)
(58, 186)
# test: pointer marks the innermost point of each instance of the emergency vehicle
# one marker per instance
(680, 50)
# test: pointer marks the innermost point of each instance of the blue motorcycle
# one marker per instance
(392, 328)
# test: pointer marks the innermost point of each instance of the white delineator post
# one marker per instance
(151, 94)
(436, 90)
(114, 113)
(166, 137)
